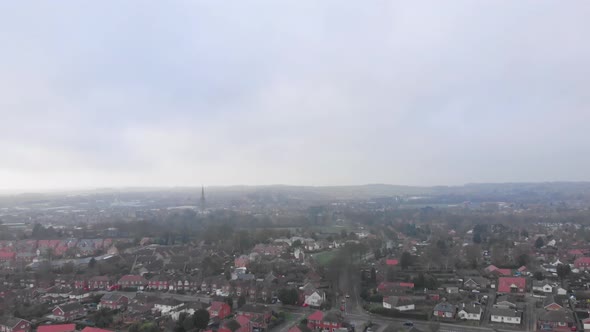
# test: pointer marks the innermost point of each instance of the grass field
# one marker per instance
(324, 258)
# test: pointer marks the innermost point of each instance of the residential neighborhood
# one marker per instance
(352, 273)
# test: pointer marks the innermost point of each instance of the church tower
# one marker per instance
(202, 198)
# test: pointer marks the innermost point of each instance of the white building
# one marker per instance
(471, 311)
(315, 299)
(398, 303)
(510, 316)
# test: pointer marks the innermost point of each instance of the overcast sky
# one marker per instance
(168, 93)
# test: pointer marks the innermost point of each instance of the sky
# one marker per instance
(302, 92)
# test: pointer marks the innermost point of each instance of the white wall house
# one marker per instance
(165, 308)
(509, 316)
(470, 311)
(544, 287)
(315, 299)
(397, 303)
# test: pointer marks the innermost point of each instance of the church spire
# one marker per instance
(203, 198)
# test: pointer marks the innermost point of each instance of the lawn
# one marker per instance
(324, 258)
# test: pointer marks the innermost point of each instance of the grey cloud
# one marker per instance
(297, 92)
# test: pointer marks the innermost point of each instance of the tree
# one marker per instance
(188, 324)
(297, 244)
(241, 300)
(233, 325)
(230, 301)
(563, 270)
(92, 263)
(103, 318)
(539, 242)
(538, 275)
(407, 260)
(476, 238)
(288, 296)
(201, 318)
(523, 259)
(144, 327)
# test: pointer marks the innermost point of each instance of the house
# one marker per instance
(392, 262)
(57, 328)
(164, 306)
(556, 320)
(6, 256)
(398, 303)
(113, 301)
(79, 294)
(452, 289)
(188, 308)
(586, 324)
(100, 282)
(132, 281)
(503, 315)
(394, 287)
(312, 296)
(68, 312)
(14, 324)
(582, 263)
(490, 269)
(219, 309)
(58, 292)
(475, 283)
(245, 325)
(242, 261)
(258, 312)
(555, 302)
(432, 296)
(470, 311)
(325, 321)
(80, 283)
(158, 282)
(505, 302)
(444, 310)
(511, 285)
(542, 286)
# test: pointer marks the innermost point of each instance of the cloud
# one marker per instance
(297, 92)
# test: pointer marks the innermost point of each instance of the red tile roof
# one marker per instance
(582, 260)
(490, 269)
(505, 284)
(389, 285)
(10, 255)
(217, 305)
(57, 328)
(392, 262)
(318, 315)
(95, 329)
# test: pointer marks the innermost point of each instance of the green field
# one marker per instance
(324, 258)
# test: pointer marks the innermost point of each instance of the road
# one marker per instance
(363, 317)
(179, 297)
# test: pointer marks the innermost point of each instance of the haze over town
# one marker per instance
(294, 166)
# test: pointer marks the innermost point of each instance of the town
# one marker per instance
(289, 260)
